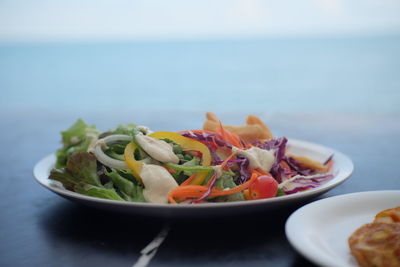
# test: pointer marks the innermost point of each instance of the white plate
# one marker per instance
(343, 168)
(319, 230)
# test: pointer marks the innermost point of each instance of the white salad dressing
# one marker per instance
(158, 182)
(144, 129)
(258, 158)
(157, 149)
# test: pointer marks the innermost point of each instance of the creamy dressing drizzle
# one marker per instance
(157, 149)
(258, 158)
(144, 129)
(158, 182)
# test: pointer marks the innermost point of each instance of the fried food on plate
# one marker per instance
(378, 243)
(254, 129)
(389, 216)
(306, 162)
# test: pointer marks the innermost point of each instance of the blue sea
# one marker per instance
(341, 74)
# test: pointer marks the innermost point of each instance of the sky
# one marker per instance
(105, 20)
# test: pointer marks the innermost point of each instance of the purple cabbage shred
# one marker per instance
(307, 182)
(306, 178)
(209, 138)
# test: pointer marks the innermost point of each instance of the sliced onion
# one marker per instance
(105, 159)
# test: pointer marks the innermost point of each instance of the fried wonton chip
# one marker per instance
(254, 129)
(306, 162)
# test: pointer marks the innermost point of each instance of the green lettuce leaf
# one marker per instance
(129, 190)
(76, 139)
(80, 175)
(193, 162)
(181, 175)
(116, 150)
(61, 175)
(101, 192)
(81, 170)
(226, 181)
(125, 129)
(83, 167)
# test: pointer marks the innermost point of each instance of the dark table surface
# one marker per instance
(39, 228)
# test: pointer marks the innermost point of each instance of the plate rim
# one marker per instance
(317, 258)
(337, 180)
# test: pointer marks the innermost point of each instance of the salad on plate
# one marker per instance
(220, 163)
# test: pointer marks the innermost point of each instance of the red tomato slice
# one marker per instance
(264, 187)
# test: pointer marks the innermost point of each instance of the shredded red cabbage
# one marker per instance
(329, 159)
(275, 143)
(306, 178)
(295, 165)
(301, 183)
(208, 192)
(279, 145)
(207, 139)
(243, 168)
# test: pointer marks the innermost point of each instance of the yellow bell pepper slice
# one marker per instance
(133, 164)
(200, 178)
(184, 142)
(188, 144)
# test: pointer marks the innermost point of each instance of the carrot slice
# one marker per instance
(196, 191)
(230, 137)
(236, 189)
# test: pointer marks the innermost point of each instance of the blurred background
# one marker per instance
(264, 57)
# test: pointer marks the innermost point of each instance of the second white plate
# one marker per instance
(320, 230)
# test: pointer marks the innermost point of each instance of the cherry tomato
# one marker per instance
(263, 187)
